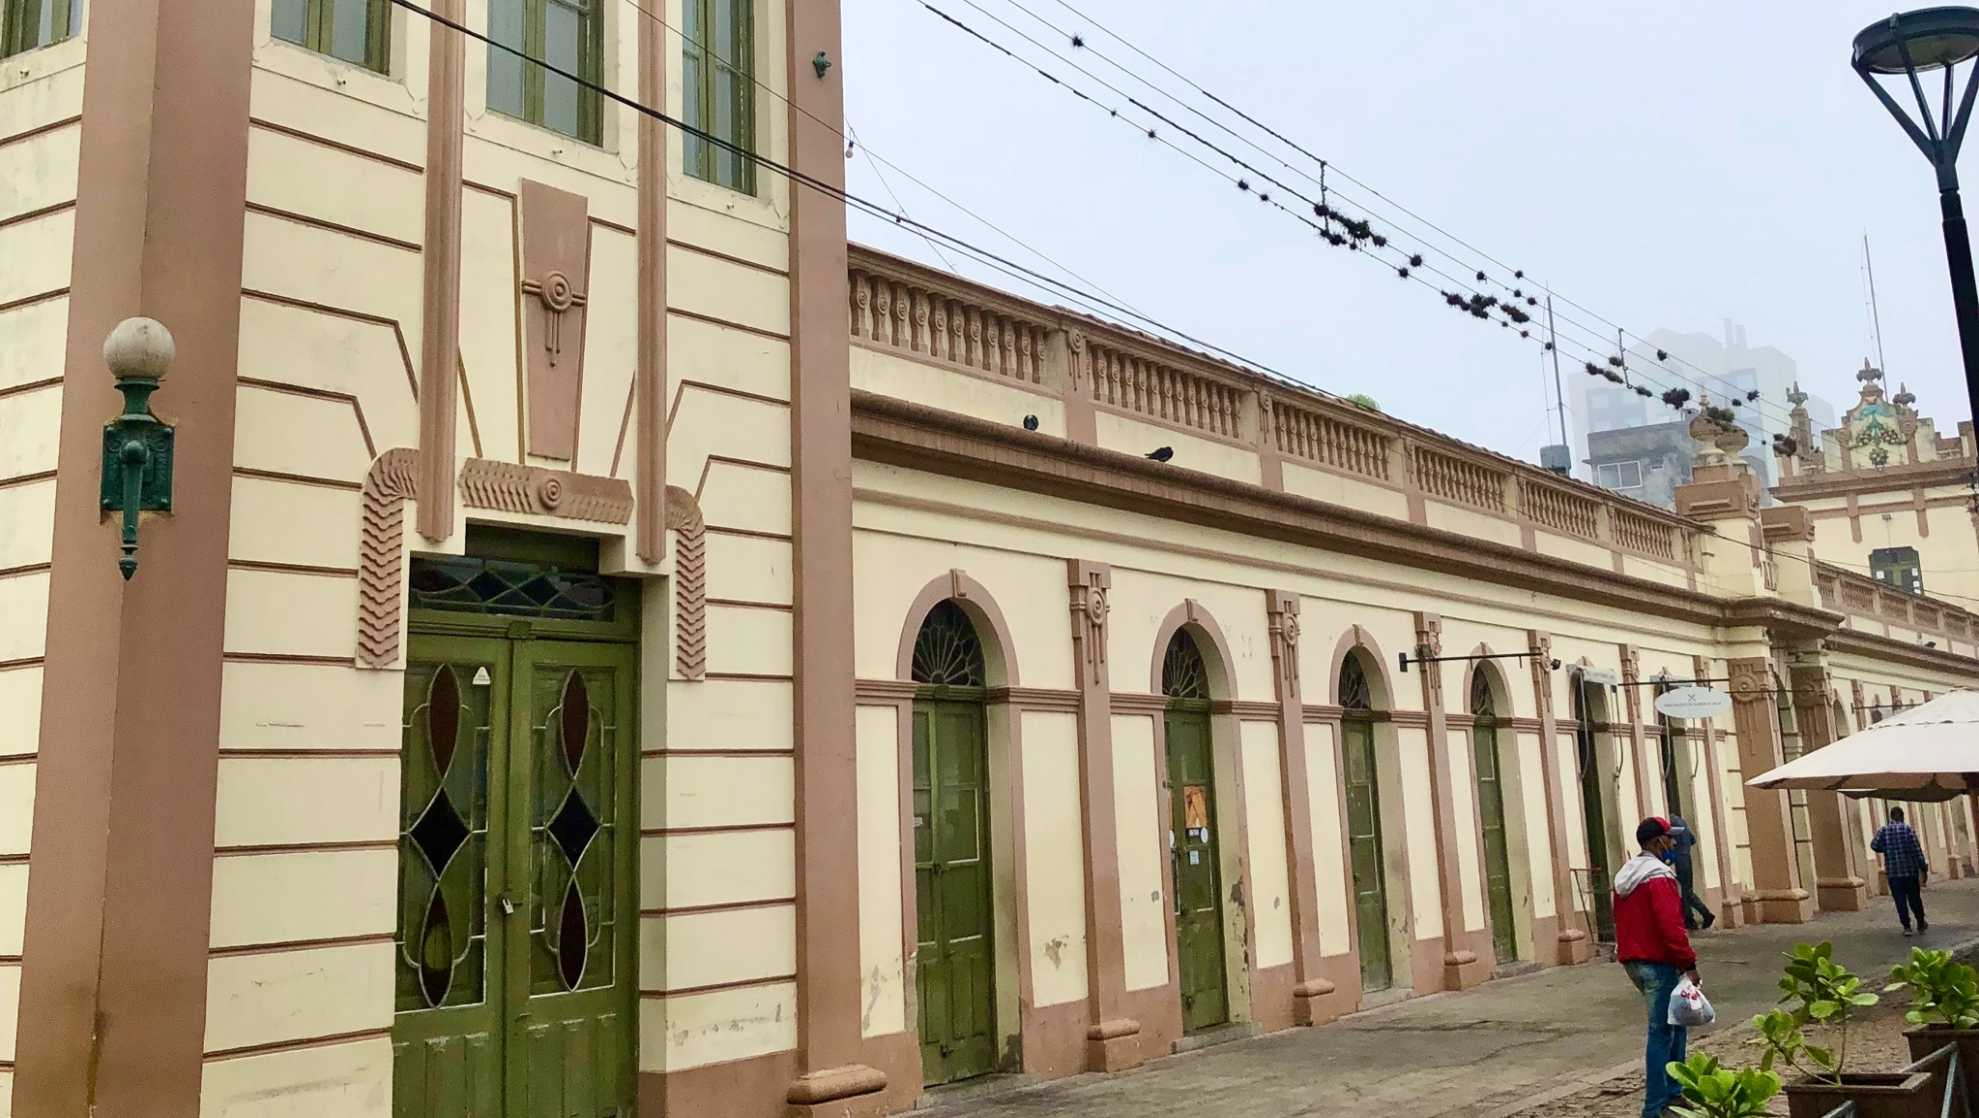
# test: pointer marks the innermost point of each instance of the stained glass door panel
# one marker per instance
(447, 1033)
(572, 956)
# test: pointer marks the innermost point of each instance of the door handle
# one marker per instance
(508, 904)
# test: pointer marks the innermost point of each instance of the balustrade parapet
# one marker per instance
(964, 326)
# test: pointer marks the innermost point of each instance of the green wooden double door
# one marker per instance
(1198, 878)
(517, 928)
(955, 964)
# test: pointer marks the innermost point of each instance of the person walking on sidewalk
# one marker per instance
(1651, 944)
(1696, 915)
(1903, 864)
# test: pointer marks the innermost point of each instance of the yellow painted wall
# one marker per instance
(1137, 777)
(1270, 885)
(1053, 822)
(1470, 881)
(1335, 891)
(1339, 489)
(1530, 810)
(998, 401)
(882, 968)
(1192, 452)
(1419, 818)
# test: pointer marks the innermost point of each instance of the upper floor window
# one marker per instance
(1619, 475)
(719, 79)
(27, 24)
(357, 31)
(1899, 567)
(568, 34)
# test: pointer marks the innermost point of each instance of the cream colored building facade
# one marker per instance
(616, 649)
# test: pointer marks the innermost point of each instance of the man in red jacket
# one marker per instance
(1651, 943)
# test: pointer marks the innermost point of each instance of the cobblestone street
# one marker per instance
(1530, 1045)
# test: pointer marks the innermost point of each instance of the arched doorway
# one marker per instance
(1591, 710)
(1194, 849)
(1364, 842)
(1491, 818)
(1671, 750)
(956, 964)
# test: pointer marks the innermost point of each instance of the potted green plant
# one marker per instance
(1944, 1005)
(1821, 994)
(1711, 1091)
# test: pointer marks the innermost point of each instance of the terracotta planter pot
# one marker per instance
(1925, 1041)
(1875, 1095)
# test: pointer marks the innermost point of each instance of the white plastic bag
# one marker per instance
(1689, 1007)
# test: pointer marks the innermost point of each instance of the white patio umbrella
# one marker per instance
(1926, 752)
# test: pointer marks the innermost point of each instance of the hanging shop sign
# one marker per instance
(1693, 702)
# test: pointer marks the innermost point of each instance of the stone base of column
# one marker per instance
(1308, 1008)
(1731, 914)
(1464, 969)
(1848, 894)
(1785, 906)
(1574, 948)
(853, 1091)
(1111, 1045)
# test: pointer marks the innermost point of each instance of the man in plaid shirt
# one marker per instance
(1903, 864)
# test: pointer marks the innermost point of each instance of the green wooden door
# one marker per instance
(957, 968)
(1198, 880)
(1593, 819)
(1364, 846)
(1497, 852)
(516, 934)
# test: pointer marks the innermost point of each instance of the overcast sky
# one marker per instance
(1666, 165)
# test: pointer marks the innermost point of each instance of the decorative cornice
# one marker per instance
(1249, 710)
(392, 480)
(510, 487)
(690, 577)
(884, 691)
(1035, 698)
(918, 437)
(1126, 702)
(1903, 476)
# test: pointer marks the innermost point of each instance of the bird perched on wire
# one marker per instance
(1162, 453)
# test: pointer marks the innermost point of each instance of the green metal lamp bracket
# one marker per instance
(137, 445)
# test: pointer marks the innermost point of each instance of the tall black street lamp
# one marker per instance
(1906, 45)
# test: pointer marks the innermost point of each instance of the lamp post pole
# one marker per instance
(1965, 290)
(1905, 45)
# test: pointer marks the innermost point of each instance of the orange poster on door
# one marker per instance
(1195, 807)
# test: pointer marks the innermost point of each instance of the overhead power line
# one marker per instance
(976, 252)
(1468, 297)
(1726, 388)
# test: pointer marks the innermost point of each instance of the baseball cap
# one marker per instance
(1654, 827)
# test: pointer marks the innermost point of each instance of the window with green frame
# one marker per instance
(28, 24)
(718, 75)
(568, 34)
(357, 31)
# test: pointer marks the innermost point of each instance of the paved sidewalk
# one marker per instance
(1485, 1053)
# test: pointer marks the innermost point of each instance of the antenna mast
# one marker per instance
(1875, 315)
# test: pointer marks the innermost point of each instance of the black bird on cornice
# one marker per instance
(1162, 453)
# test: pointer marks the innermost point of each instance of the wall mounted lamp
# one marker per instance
(137, 445)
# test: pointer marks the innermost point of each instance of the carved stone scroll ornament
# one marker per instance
(690, 575)
(556, 265)
(391, 481)
(511, 487)
(1283, 613)
(1090, 583)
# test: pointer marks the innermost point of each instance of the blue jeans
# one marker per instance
(1657, 981)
